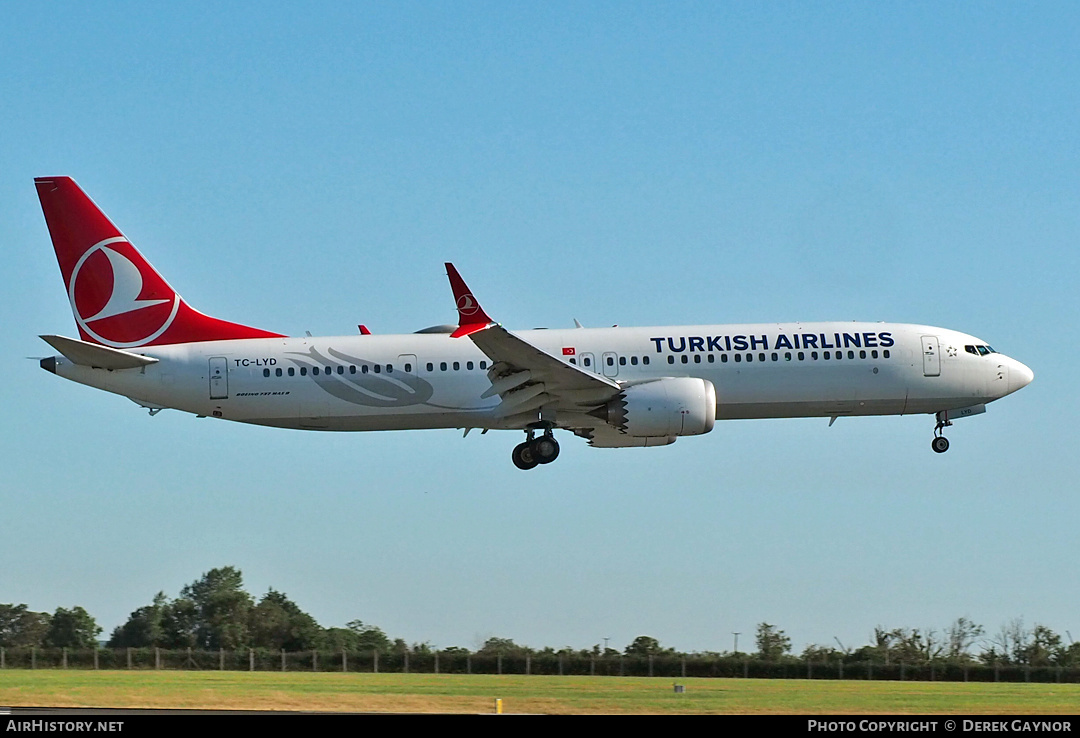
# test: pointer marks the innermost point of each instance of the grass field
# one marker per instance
(522, 694)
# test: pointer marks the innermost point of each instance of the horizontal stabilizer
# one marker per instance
(93, 355)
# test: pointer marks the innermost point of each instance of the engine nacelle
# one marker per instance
(665, 408)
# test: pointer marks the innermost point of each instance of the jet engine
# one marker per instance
(664, 408)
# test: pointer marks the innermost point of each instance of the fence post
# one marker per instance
(314, 660)
(809, 669)
(251, 659)
(498, 660)
(129, 657)
(375, 660)
(63, 657)
(157, 659)
(96, 650)
(650, 664)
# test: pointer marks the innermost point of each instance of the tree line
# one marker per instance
(215, 612)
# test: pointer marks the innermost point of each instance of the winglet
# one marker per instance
(471, 317)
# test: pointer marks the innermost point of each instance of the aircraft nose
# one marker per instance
(1019, 376)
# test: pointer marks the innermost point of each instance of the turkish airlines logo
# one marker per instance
(114, 311)
(467, 304)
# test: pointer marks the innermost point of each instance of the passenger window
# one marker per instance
(761, 357)
(622, 361)
(483, 365)
(292, 371)
(712, 358)
(573, 361)
(671, 359)
(303, 371)
(645, 360)
(738, 358)
(862, 354)
(430, 367)
(442, 366)
(340, 369)
(801, 356)
(389, 368)
(587, 361)
(377, 368)
(723, 358)
(787, 356)
(364, 369)
(873, 354)
(685, 359)
(633, 360)
(457, 366)
(775, 357)
(314, 371)
(610, 361)
(469, 365)
(813, 355)
(408, 368)
(697, 358)
(266, 372)
(277, 371)
(885, 354)
(352, 368)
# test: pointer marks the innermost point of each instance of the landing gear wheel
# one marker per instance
(523, 456)
(940, 444)
(545, 449)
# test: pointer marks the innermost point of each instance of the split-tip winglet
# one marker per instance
(471, 317)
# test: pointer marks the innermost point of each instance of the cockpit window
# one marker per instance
(979, 350)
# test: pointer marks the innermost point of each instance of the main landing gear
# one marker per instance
(536, 450)
(940, 444)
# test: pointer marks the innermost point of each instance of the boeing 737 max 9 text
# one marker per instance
(615, 387)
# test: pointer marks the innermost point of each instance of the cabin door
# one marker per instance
(931, 357)
(219, 378)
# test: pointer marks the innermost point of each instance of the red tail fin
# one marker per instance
(117, 297)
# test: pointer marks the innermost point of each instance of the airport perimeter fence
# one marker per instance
(459, 662)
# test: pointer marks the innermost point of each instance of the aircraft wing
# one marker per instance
(526, 378)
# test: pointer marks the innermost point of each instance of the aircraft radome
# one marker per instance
(614, 387)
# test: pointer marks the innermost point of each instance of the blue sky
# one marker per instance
(641, 164)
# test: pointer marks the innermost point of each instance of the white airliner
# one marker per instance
(615, 387)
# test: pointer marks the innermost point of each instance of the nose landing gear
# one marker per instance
(536, 450)
(940, 444)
